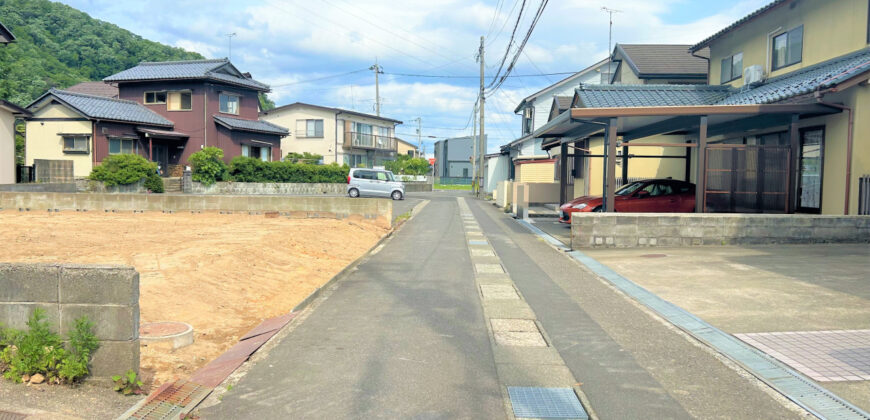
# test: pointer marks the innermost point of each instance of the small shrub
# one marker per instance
(128, 383)
(154, 183)
(41, 351)
(305, 157)
(208, 165)
(247, 169)
(123, 170)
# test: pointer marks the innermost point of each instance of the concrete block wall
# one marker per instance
(378, 211)
(267, 188)
(107, 294)
(614, 230)
(39, 187)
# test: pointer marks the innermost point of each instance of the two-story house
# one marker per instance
(163, 111)
(781, 127)
(8, 113)
(339, 135)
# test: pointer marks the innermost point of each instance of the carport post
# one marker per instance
(610, 179)
(701, 169)
(563, 173)
(794, 160)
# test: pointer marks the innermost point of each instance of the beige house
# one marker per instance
(407, 148)
(339, 135)
(8, 113)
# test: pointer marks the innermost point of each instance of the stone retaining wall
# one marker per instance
(108, 295)
(87, 185)
(267, 188)
(379, 211)
(39, 187)
(609, 230)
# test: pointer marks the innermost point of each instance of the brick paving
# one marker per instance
(824, 356)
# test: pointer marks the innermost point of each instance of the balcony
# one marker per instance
(369, 141)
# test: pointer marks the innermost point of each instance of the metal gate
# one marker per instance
(864, 195)
(747, 179)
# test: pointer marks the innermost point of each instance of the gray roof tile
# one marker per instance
(251, 125)
(803, 81)
(102, 108)
(192, 69)
(663, 59)
(622, 96)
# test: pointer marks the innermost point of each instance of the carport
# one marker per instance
(729, 177)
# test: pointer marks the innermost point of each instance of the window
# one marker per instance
(179, 101)
(732, 68)
(382, 176)
(121, 146)
(76, 144)
(528, 119)
(155, 98)
(229, 103)
(787, 48)
(264, 153)
(364, 174)
(309, 128)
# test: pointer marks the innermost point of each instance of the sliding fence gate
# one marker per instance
(747, 179)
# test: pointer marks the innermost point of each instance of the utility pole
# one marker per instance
(377, 70)
(230, 39)
(474, 143)
(482, 136)
(419, 134)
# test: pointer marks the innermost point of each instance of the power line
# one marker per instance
(509, 44)
(522, 45)
(446, 76)
(320, 78)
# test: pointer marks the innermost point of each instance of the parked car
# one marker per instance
(374, 182)
(647, 196)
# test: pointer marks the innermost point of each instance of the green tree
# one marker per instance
(265, 103)
(208, 165)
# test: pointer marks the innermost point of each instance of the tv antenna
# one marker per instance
(230, 39)
(610, 12)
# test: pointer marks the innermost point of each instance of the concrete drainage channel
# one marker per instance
(788, 382)
(536, 383)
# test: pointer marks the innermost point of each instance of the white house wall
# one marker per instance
(7, 147)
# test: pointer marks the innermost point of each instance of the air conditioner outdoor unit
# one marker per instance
(753, 74)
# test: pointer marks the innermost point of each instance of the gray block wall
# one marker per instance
(267, 188)
(107, 294)
(614, 230)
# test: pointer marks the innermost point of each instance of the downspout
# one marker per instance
(708, 64)
(336, 137)
(94, 140)
(849, 139)
(205, 115)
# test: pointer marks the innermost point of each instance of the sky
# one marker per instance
(320, 51)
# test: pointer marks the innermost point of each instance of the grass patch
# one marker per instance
(404, 216)
(451, 187)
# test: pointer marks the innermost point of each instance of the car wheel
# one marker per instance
(353, 193)
(397, 195)
(598, 209)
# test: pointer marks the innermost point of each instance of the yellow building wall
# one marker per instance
(7, 147)
(834, 166)
(44, 142)
(325, 146)
(637, 167)
(536, 172)
(831, 28)
(404, 148)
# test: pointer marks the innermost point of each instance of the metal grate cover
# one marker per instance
(546, 403)
(172, 401)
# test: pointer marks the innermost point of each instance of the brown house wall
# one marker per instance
(231, 142)
(199, 123)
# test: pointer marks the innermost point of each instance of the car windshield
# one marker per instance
(630, 188)
(390, 176)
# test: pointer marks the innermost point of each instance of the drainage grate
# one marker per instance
(552, 403)
(7, 415)
(172, 401)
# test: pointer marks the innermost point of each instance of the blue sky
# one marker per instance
(287, 43)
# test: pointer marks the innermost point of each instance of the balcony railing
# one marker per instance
(369, 141)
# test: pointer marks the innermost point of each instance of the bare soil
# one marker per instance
(222, 274)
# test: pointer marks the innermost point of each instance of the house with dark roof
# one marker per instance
(659, 64)
(164, 111)
(6, 36)
(209, 102)
(779, 129)
(339, 135)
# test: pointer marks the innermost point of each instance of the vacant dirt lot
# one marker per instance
(222, 274)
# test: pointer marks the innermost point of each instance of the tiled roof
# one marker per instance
(95, 88)
(562, 83)
(180, 70)
(6, 35)
(327, 108)
(621, 96)
(564, 102)
(102, 108)
(251, 125)
(734, 25)
(662, 59)
(803, 81)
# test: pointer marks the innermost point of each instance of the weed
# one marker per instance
(128, 383)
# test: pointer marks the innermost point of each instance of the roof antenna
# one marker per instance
(610, 12)
(230, 39)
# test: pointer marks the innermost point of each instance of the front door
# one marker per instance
(810, 176)
(160, 154)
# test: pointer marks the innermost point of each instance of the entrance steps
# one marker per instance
(172, 185)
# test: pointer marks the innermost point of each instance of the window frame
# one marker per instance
(134, 146)
(229, 95)
(155, 92)
(303, 133)
(73, 137)
(179, 92)
(730, 60)
(787, 34)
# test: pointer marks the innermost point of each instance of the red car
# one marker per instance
(648, 196)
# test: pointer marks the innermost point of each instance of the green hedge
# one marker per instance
(127, 169)
(246, 169)
(208, 165)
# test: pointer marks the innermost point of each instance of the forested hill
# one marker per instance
(59, 46)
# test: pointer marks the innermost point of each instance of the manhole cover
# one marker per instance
(653, 255)
(175, 334)
(546, 403)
